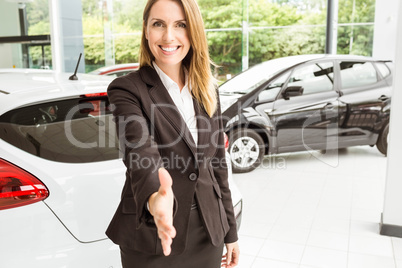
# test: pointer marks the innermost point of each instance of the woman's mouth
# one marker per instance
(169, 49)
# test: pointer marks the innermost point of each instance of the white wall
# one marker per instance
(392, 212)
(386, 17)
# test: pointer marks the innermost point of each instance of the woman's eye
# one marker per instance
(182, 25)
(157, 24)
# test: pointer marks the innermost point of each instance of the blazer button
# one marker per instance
(192, 177)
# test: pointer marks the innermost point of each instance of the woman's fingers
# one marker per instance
(223, 262)
(166, 242)
(165, 226)
(165, 180)
(229, 257)
(162, 207)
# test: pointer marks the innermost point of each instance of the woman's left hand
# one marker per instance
(231, 258)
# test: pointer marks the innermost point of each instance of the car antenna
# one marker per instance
(74, 76)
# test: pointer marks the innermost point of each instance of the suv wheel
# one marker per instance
(382, 142)
(246, 150)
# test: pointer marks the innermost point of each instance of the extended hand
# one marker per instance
(161, 208)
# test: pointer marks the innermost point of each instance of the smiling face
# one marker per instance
(166, 32)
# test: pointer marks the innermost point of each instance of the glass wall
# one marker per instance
(25, 42)
(356, 27)
(240, 33)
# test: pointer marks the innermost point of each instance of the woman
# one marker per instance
(176, 208)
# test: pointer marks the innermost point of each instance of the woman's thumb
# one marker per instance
(165, 179)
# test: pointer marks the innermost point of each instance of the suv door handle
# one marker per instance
(383, 98)
(329, 106)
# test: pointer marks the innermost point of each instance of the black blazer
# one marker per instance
(152, 134)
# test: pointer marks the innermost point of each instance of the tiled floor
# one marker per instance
(312, 210)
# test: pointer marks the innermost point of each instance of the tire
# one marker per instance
(382, 142)
(246, 149)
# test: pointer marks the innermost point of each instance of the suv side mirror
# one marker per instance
(292, 91)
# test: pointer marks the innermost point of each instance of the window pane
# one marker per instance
(72, 131)
(272, 90)
(355, 74)
(313, 78)
(383, 69)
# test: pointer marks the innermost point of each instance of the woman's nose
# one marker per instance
(168, 34)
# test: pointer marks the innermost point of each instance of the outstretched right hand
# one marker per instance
(161, 208)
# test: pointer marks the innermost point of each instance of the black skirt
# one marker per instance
(199, 252)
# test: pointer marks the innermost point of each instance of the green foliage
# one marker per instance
(129, 12)
(264, 43)
(127, 24)
(94, 45)
(91, 8)
(38, 24)
(361, 38)
(126, 47)
(38, 11)
(224, 46)
(356, 40)
(364, 11)
(278, 28)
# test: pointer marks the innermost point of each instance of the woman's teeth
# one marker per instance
(169, 49)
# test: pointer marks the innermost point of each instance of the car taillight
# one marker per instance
(226, 141)
(90, 95)
(18, 187)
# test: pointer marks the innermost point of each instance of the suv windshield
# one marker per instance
(257, 75)
(78, 130)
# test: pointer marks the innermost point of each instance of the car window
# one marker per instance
(314, 78)
(357, 73)
(272, 90)
(77, 130)
(382, 67)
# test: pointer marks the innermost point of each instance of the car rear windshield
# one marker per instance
(78, 130)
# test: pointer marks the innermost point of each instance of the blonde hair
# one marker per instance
(197, 61)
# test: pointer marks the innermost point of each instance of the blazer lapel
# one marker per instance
(203, 125)
(162, 100)
(206, 130)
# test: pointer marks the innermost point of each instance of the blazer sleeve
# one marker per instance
(141, 155)
(221, 175)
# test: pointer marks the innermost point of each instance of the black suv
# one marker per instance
(306, 102)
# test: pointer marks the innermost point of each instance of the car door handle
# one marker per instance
(329, 106)
(383, 98)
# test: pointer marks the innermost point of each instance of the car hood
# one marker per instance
(227, 100)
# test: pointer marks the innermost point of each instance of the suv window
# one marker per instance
(357, 73)
(272, 90)
(383, 68)
(314, 78)
(78, 130)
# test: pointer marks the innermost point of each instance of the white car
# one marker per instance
(61, 174)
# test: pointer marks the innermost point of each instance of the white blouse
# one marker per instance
(182, 99)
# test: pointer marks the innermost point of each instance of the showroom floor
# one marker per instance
(312, 210)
